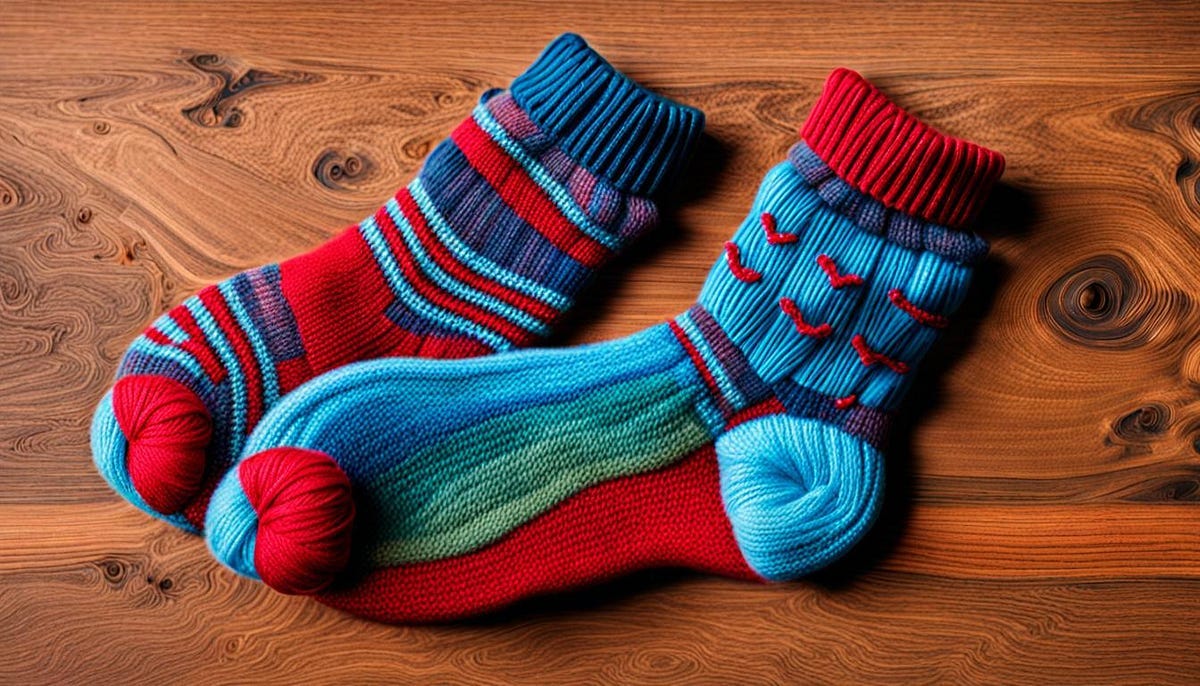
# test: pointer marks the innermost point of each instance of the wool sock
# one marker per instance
(481, 253)
(741, 438)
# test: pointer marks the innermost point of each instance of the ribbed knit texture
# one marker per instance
(609, 124)
(481, 252)
(742, 437)
(890, 155)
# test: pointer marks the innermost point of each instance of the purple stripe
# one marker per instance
(261, 293)
(617, 212)
(736, 366)
(874, 217)
(481, 219)
(867, 423)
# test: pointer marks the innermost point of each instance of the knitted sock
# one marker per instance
(480, 253)
(741, 438)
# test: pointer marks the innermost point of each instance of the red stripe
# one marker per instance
(792, 311)
(196, 346)
(668, 517)
(733, 257)
(836, 279)
(159, 337)
(869, 357)
(773, 236)
(527, 199)
(240, 342)
(434, 293)
(698, 361)
(925, 317)
(458, 270)
(767, 407)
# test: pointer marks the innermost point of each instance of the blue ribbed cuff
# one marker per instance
(605, 121)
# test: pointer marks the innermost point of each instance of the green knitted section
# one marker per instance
(476, 485)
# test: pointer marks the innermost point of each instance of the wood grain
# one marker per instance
(1043, 513)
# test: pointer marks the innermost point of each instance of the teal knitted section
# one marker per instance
(475, 485)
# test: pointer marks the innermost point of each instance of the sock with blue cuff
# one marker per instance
(482, 252)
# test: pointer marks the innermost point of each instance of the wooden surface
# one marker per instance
(1043, 512)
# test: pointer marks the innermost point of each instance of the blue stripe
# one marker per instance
(168, 327)
(706, 406)
(728, 388)
(266, 366)
(492, 225)
(237, 381)
(473, 260)
(168, 352)
(447, 282)
(557, 192)
(403, 290)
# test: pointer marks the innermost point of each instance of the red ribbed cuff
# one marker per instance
(887, 153)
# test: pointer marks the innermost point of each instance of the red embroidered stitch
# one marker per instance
(847, 402)
(773, 236)
(870, 357)
(734, 257)
(925, 317)
(836, 279)
(789, 308)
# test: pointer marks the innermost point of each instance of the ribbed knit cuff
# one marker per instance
(604, 120)
(890, 155)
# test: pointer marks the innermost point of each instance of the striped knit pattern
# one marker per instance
(732, 385)
(482, 252)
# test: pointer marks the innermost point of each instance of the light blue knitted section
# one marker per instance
(799, 492)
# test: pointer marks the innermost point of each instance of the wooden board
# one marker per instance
(1043, 512)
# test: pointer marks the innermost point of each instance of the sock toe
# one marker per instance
(284, 516)
(165, 431)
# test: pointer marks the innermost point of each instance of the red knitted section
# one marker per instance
(669, 517)
(887, 153)
(167, 429)
(341, 277)
(526, 198)
(305, 515)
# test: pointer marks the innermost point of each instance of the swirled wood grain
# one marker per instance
(1043, 516)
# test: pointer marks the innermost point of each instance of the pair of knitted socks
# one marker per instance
(740, 438)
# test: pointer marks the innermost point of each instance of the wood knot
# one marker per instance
(101, 128)
(1102, 302)
(8, 194)
(113, 571)
(206, 60)
(339, 171)
(84, 215)
(1171, 488)
(219, 108)
(164, 584)
(1145, 422)
(416, 150)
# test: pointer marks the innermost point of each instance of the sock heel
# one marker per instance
(799, 492)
